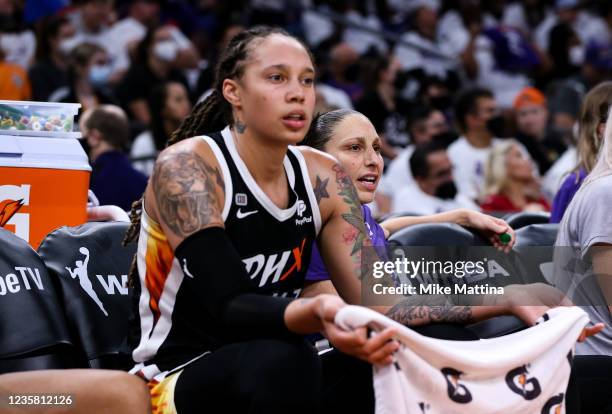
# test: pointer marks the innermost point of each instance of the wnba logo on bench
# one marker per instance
(12, 199)
(110, 283)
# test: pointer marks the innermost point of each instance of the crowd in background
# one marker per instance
(476, 102)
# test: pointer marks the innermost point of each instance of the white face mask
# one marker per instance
(67, 44)
(576, 55)
(166, 50)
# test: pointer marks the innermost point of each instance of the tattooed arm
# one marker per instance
(342, 238)
(186, 191)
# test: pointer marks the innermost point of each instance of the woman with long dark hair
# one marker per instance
(169, 105)
(50, 70)
(226, 227)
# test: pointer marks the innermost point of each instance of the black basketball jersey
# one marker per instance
(273, 243)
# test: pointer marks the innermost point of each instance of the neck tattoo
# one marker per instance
(240, 127)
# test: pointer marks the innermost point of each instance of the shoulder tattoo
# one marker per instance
(185, 188)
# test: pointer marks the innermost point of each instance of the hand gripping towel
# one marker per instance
(524, 373)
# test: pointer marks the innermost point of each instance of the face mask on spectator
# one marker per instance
(67, 44)
(166, 50)
(99, 74)
(496, 126)
(447, 190)
(576, 55)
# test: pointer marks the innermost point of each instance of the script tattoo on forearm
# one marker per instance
(185, 192)
(409, 314)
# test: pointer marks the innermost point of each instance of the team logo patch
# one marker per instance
(519, 383)
(456, 392)
(240, 199)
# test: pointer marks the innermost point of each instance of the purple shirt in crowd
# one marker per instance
(317, 270)
(565, 194)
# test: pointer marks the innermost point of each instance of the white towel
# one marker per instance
(524, 373)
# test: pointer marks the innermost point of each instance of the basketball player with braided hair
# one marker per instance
(225, 230)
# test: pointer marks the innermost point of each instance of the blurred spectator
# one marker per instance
(205, 79)
(587, 26)
(594, 65)
(597, 65)
(479, 119)
(364, 14)
(125, 35)
(88, 74)
(509, 181)
(92, 19)
(334, 97)
(437, 93)
(113, 179)
(15, 85)
(526, 15)
(50, 72)
(434, 190)
(17, 42)
(459, 26)
(318, 27)
(169, 105)
(273, 12)
(566, 51)
(381, 104)
(430, 57)
(424, 123)
(544, 145)
(591, 127)
(496, 57)
(154, 64)
(344, 70)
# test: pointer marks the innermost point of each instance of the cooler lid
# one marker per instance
(33, 152)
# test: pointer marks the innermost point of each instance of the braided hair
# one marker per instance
(213, 113)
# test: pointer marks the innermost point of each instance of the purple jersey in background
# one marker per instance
(317, 270)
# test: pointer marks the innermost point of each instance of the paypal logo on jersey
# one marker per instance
(301, 208)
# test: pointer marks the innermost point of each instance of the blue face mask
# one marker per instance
(99, 74)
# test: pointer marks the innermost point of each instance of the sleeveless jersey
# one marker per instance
(273, 243)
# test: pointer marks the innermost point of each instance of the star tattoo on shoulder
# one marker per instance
(320, 189)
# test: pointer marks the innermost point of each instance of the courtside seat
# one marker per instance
(537, 235)
(534, 251)
(395, 215)
(525, 218)
(92, 268)
(452, 235)
(436, 234)
(533, 256)
(33, 331)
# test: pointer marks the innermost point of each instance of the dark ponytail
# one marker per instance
(322, 127)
